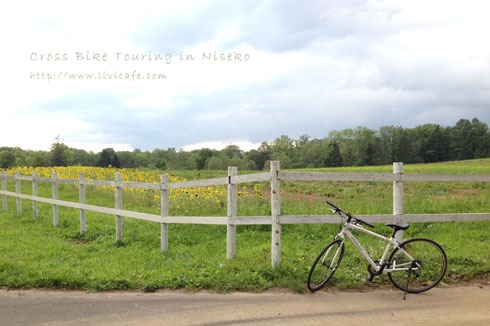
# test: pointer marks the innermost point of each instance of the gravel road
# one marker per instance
(448, 305)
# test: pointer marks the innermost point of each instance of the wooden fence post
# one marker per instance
(4, 188)
(398, 195)
(164, 210)
(81, 196)
(118, 199)
(275, 214)
(35, 208)
(17, 191)
(231, 212)
(54, 190)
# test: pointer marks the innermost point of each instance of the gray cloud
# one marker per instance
(337, 64)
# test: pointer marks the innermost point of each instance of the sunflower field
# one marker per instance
(209, 200)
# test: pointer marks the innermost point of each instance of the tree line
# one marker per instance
(359, 146)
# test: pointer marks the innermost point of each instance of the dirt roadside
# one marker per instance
(448, 305)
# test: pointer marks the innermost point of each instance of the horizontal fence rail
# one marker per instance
(275, 176)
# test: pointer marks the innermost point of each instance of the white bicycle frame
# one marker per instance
(391, 242)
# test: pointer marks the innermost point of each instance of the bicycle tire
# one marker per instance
(325, 265)
(430, 258)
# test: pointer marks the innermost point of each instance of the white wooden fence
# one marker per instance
(275, 176)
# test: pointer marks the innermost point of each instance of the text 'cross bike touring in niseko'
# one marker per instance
(414, 266)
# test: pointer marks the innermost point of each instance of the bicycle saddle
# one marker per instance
(398, 226)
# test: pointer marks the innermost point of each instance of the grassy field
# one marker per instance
(33, 253)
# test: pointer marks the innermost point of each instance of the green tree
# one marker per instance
(481, 139)
(284, 150)
(142, 159)
(39, 158)
(108, 157)
(82, 157)
(215, 163)
(260, 156)
(434, 144)
(59, 155)
(202, 156)
(395, 145)
(126, 159)
(365, 146)
(182, 160)
(334, 158)
(159, 159)
(104, 159)
(462, 140)
(115, 161)
(346, 141)
(7, 157)
(313, 154)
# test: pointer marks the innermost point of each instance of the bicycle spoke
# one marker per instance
(425, 270)
(325, 265)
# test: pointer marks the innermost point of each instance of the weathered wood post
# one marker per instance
(118, 205)
(164, 210)
(275, 214)
(231, 213)
(4, 188)
(398, 195)
(54, 191)
(35, 208)
(81, 196)
(17, 191)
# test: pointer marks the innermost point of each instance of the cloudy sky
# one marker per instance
(207, 73)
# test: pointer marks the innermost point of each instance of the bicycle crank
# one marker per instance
(372, 272)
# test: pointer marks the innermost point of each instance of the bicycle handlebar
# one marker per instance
(333, 205)
(338, 210)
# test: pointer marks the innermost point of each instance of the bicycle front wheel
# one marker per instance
(426, 260)
(325, 265)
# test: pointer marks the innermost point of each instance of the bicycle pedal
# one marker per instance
(370, 277)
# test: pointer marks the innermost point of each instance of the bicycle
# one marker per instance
(415, 265)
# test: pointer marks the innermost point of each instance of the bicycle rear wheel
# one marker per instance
(428, 265)
(325, 265)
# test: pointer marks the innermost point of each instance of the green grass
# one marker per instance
(33, 253)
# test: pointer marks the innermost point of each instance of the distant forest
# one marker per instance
(349, 147)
